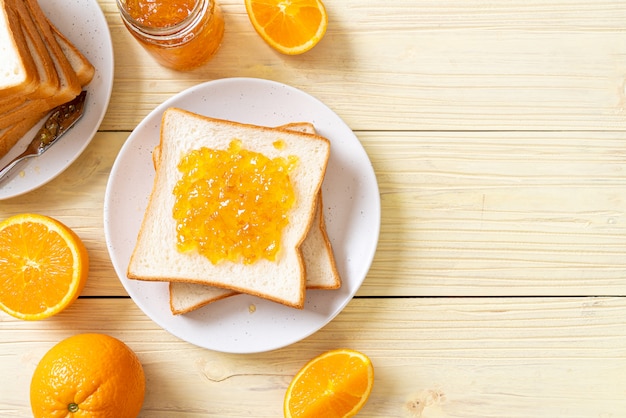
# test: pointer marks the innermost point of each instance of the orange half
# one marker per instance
(289, 26)
(335, 384)
(43, 266)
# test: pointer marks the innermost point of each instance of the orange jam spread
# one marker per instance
(279, 145)
(160, 13)
(233, 204)
(178, 34)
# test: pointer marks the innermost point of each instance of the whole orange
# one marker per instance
(88, 375)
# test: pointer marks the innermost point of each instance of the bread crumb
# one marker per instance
(252, 308)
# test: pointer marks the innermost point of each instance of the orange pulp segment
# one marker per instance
(333, 385)
(289, 26)
(43, 266)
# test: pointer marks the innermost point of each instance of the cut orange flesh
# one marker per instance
(43, 266)
(335, 384)
(289, 26)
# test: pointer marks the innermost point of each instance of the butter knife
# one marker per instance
(59, 121)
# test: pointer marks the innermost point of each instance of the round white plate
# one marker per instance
(351, 203)
(83, 23)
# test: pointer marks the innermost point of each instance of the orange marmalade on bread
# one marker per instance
(180, 34)
(233, 204)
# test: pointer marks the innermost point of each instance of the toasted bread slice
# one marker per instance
(18, 72)
(156, 257)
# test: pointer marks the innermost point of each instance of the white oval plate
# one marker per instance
(83, 23)
(351, 203)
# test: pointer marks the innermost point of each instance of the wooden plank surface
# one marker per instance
(497, 132)
(463, 214)
(500, 213)
(470, 358)
(427, 65)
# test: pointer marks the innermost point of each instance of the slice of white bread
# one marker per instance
(156, 257)
(319, 261)
(187, 297)
(48, 79)
(69, 85)
(18, 73)
(321, 271)
(83, 68)
(61, 68)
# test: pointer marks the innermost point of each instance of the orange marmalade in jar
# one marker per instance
(179, 34)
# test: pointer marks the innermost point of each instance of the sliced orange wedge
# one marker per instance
(289, 26)
(335, 384)
(43, 266)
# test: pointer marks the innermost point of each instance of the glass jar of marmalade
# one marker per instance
(179, 34)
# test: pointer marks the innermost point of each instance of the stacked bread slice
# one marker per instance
(317, 253)
(41, 69)
(305, 257)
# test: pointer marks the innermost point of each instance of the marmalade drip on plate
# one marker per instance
(233, 204)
